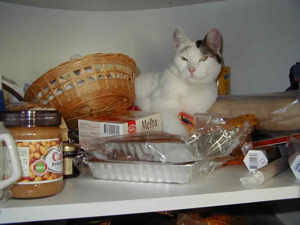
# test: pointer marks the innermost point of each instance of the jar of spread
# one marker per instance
(38, 141)
(71, 156)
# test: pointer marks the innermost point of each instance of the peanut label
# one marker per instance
(41, 160)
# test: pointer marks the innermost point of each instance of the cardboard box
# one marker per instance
(130, 123)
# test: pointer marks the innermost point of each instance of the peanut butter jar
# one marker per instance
(38, 141)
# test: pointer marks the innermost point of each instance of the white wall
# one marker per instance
(261, 38)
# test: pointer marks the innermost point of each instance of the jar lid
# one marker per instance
(69, 148)
(31, 118)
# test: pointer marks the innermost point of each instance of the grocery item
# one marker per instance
(96, 84)
(274, 111)
(189, 121)
(224, 81)
(148, 157)
(163, 157)
(255, 159)
(22, 105)
(131, 122)
(72, 158)
(213, 139)
(150, 147)
(294, 156)
(38, 141)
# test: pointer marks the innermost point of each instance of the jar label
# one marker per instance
(68, 166)
(41, 160)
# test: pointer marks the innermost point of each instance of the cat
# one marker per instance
(188, 85)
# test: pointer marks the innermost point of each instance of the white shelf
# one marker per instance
(87, 197)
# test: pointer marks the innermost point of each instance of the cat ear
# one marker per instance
(179, 38)
(213, 40)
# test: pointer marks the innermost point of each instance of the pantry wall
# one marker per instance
(261, 39)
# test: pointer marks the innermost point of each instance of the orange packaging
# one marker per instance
(224, 81)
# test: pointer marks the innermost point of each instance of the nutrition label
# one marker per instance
(24, 158)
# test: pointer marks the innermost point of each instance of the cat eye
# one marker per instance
(204, 58)
(184, 59)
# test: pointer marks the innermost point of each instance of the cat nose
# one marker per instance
(192, 69)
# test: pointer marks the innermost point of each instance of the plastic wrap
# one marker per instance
(153, 147)
(162, 157)
(274, 111)
(143, 157)
(213, 138)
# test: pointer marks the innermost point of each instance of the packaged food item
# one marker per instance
(147, 157)
(294, 157)
(131, 122)
(72, 158)
(163, 157)
(255, 159)
(274, 111)
(38, 141)
(213, 139)
(224, 81)
(22, 105)
(154, 147)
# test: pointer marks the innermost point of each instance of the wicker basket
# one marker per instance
(96, 84)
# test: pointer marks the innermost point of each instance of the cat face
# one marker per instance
(200, 61)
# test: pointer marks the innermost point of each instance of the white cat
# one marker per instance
(188, 85)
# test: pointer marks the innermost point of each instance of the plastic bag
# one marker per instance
(213, 138)
(274, 111)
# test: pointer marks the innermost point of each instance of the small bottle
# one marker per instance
(71, 157)
(224, 81)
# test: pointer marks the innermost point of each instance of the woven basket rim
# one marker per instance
(67, 85)
(73, 61)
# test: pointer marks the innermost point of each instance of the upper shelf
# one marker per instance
(88, 197)
(106, 5)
